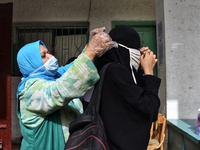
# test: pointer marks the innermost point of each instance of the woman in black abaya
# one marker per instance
(130, 101)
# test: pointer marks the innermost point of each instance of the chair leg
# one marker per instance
(161, 148)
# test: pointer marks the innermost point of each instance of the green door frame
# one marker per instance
(147, 32)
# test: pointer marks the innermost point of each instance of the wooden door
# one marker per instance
(5, 77)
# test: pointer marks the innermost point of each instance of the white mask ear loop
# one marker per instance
(133, 74)
(134, 59)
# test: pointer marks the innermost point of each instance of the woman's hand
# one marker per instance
(148, 60)
(99, 43)
(97, 30)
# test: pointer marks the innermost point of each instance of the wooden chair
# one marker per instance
(157, 133)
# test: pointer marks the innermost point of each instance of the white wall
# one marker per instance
(181, 56)
(102, 12)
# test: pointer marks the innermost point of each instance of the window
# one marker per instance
(63, 40)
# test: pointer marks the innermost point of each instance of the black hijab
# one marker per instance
(125, 35)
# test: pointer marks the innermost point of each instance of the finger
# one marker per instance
(95, 31)
(151, 53)
(144, 49)
(147, 52)
(102, 29)
(110, 44)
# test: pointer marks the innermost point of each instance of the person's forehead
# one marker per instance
(43, 48)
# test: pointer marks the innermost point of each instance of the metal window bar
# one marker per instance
(63, 41)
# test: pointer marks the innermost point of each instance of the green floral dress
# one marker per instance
(45, 108)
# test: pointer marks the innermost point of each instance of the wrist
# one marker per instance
(90, 52)
(148, 72)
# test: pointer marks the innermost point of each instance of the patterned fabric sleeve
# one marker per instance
(44, 97)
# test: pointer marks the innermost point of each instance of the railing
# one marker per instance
(63, 40)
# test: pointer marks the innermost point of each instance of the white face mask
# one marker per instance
(51, 67)
(134, 58)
